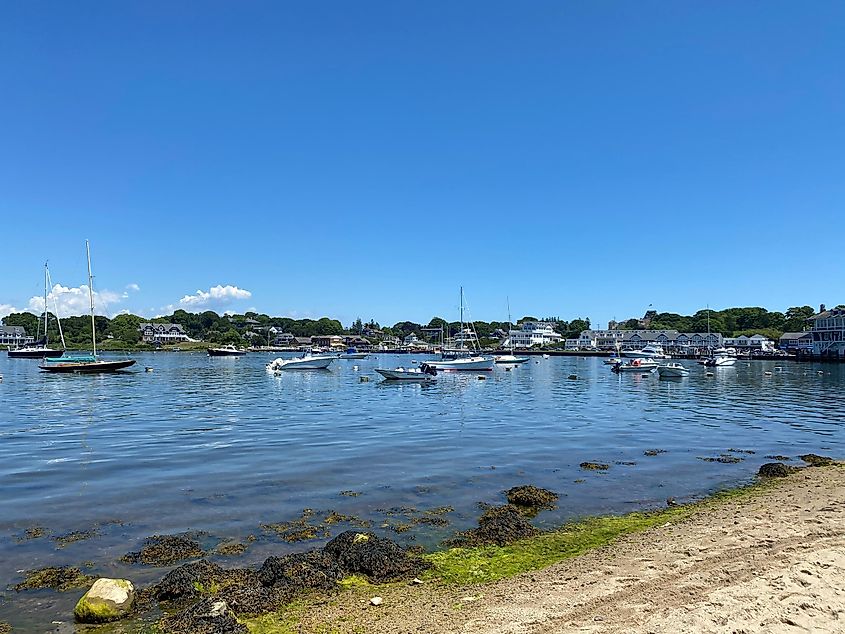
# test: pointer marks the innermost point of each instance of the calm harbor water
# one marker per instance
(220, 446)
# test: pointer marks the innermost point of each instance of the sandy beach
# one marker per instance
(773, 561)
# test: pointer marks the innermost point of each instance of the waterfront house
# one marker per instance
(328, 341)
(572, 344)
(828, 329)
(15, 336)
(746, 343)
(301, 342)
(600, 339)
(281, 338)
(162, 334)
(534, 333)
(670, 340)
(802, 341)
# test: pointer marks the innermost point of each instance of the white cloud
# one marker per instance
(133, 287)
(7, 309)
(214, 296)
(74, 301)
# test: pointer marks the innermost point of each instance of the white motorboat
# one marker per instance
(612, 361)
(425, 373)
(672, 370)
(226, 351)
(641, 366)
(477, 363)
(509, 359)
(720, 358)
(651, 351)
(306, 362)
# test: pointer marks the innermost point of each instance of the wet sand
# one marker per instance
(770, 562)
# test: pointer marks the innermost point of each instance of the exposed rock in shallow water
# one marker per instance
(58, 578)
(498, 525)
(5, 628)
(313, 569)
(187, 580)
(815, 460)
(106, 600)
(654, 452)
(532, 497)
(75, 536)
(230, 549)
(775, 470)
(209, 616)
(594, 466)
(164, 550)
(779, 458)
(724, 459)
(376, 557)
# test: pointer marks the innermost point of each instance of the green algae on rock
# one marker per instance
(107, 600)
(528, 495)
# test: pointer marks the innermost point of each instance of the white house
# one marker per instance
(754, 342)
(532, 333)
(15, 336)
(162, 333)
(601, 339)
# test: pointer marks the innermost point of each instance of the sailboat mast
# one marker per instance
(91, 297)
(462, 317)
(46, 282)
(510, 338)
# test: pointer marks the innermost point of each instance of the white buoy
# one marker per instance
(355, 368)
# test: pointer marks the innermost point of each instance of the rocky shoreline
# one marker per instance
(201, 596)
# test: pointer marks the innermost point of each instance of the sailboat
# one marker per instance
(465, 359)
(509, 359)
(718, 358)
(41, 347)
(87, 363)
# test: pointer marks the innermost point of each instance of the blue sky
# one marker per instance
(366, 159)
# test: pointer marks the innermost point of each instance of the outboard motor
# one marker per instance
(428, 369)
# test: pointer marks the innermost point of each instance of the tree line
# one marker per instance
(254, 327)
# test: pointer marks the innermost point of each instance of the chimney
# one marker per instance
(821, 308)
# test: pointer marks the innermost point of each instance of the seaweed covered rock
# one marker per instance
(594, 466)
(815, 460)
(164, 550)
(255, 598)
(187, 580)
(208, 616)
(498, 525)
(775, 470)
(531, 497)
(376, 557)
(107, 600)
(58, 578)
(312, 569)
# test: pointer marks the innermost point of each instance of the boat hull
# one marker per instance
(405, 375)
(222, 352)
(35, 353)
(87, 367)
(309, 363)
(509, 359)
(672, 371)
(473, 364)
(354, 355)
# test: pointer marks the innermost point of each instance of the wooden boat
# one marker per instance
(80, 364)
(86, 364)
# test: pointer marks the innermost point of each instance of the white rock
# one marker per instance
(107, 600)
(376, 601)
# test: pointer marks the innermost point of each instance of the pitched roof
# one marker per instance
(13, 330)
